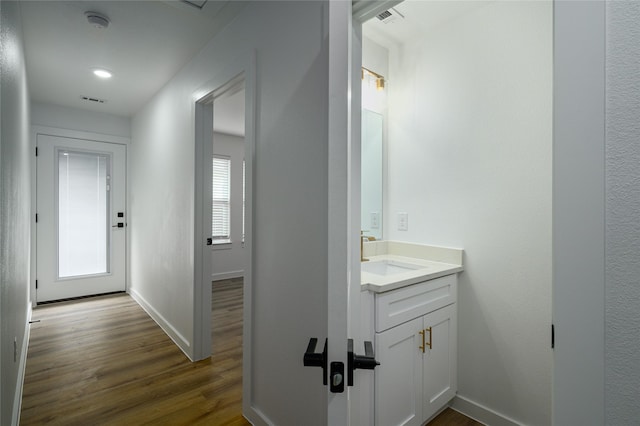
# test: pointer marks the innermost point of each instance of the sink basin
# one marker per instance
(388, 267)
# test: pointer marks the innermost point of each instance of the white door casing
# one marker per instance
(54, 280)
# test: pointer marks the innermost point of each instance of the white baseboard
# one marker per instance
(481, 413)
(227, 275)
(255, 416)
(178, 339)
(22, 367)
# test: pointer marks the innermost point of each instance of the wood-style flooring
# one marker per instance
(451, 417)
(103, 361)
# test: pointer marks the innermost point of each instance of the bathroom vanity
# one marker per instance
(409, 310)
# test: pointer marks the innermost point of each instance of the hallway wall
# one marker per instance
(622, 264)
(291, 170)
(62, 117)
(15, 204)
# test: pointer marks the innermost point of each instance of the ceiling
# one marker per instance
(420, 18)
(145, 44)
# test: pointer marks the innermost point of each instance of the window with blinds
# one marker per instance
(221, 191)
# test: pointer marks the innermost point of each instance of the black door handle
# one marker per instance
(365, 362)
(319, 359)
(313, 359)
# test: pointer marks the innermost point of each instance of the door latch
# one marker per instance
(337, 377)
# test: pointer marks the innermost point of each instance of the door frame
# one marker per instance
(579, 205)
(243, 68)
(361, 398)
(73, 134)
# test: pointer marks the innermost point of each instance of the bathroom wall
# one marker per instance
(15, 204)
(622, 265)
(375, 57)
(470, 162)
(227, 260)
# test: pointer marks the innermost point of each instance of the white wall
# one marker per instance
(622, 265)
(375, 57)
(76, 119)
(290, 200)
(470, 162)
(15, 232)
(227, 260)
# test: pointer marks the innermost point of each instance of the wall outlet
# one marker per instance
(403, 221)
(375, 220)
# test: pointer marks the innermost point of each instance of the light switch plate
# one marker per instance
(375, 220)
(403, 221)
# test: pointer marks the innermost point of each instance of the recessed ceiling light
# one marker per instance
(102, 73)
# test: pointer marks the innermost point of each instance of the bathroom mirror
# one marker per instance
(371, 203)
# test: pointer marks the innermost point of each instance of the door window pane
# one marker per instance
(83, 218)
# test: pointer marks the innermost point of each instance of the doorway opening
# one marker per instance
(224, 163)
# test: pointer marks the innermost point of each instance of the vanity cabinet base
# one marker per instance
(417, 376)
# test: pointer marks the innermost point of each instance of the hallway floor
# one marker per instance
(103, 361)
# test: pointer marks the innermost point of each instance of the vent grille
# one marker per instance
(389, 16)
(384, 15)
(95, 100)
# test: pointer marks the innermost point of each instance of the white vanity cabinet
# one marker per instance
(416, 345)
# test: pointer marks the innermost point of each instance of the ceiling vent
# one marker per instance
(388, 16)
(98, 20)
(94, 100)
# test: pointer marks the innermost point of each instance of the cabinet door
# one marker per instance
(398, 379)
(439, 361)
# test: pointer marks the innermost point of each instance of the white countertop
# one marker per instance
(433, 266)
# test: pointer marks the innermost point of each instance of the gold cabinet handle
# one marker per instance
(430, 337)
(422, 347)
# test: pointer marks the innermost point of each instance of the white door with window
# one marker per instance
(81, 217)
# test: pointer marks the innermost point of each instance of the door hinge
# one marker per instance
(553, 336)
(36, 217)
(36, 284)
(36, 151)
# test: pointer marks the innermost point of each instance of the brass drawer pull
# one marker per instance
(422, 347)
(430, 337)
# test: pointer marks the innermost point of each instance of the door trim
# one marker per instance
(242, 68)
(73, 134)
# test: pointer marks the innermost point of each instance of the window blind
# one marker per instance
(221, 209)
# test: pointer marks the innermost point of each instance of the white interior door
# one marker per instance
(81, 218)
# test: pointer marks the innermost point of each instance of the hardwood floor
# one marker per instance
(103, 361)
(451, 417)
